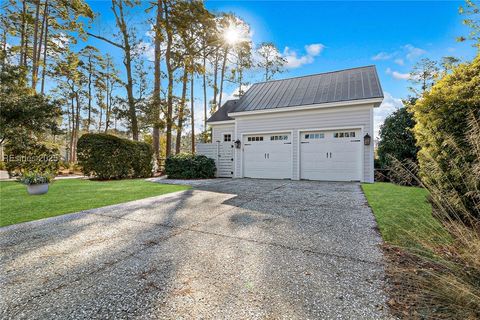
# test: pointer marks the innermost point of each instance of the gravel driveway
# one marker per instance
(230, 249)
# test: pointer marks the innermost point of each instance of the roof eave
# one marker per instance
(220, 122)
(375, 101)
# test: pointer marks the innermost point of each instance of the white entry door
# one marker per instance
(267, 156)
(331, 155)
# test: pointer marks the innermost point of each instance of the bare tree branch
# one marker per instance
(106, 40)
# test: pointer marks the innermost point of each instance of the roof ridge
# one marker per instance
(317, 74)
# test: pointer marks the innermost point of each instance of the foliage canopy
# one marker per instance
(446, 118)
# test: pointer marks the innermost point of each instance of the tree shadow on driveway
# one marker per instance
(217, 251)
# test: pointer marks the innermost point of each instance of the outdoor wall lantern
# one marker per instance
(237, 144)
(367, 139)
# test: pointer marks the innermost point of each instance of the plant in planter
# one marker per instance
(37, 183)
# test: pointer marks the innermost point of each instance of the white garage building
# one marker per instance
(315, 127)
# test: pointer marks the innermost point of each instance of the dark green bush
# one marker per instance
(21, 155)
(396, 138)
(109, 157)
(188, 166)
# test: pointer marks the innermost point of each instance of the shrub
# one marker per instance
(397, 139)
(443, 117)
(188, 166)
(109, 157)
(24, 155)
(440, 279)
(31, 178)
(142, 163)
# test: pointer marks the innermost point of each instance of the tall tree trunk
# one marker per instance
(181, 111)
(90, 67)
(192, 112)
(215, 77)
(35, 42)
(77, 126)
(23, 34)
(170, 75)
(120, 19)
(100, 119)
(204, 75)
(25, 57)
(4, 47)
(45, 48)
(222, 76)
(240, 81)
(72, 131)
(40, 44)
(131, 100)
(157, 82)
(108, 98)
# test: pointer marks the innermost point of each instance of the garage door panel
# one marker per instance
(326, 156)
(270, 159)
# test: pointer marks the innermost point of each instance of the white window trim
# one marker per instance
(231, 136)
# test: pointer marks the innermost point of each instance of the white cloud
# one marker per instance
(383, 56)
(388, 106)
(397, 75)
(295, 61)
(234, 94)
(61, 40)
(413, 52)
(314, 49)
(408, 51)
(146, 49)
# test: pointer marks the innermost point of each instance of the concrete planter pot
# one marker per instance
(35, 189)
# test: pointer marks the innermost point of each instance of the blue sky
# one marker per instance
(391, 35)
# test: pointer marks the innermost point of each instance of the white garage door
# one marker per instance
(267, 156)
(331, 155)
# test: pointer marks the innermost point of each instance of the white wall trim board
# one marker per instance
(279, 115)
(213, 123)
(376, 102)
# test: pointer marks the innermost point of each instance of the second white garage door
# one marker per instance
(331, 155)
(267, 156)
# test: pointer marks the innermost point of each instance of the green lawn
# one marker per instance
(403, 214)
(72, 195)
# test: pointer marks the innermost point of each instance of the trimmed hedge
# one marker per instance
(189, 166)
(24, 155)
(109, 157)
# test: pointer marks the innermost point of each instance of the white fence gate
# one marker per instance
(222, 153)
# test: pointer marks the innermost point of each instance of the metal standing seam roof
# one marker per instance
(222, 113)
(336, 86)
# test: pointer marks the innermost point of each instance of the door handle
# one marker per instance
(268, 155)
(330, 155)
(327, 154)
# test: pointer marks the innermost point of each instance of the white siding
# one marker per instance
(221, 153)
(295, 121)
(219, 129)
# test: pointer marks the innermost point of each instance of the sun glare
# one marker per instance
(231, 35)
